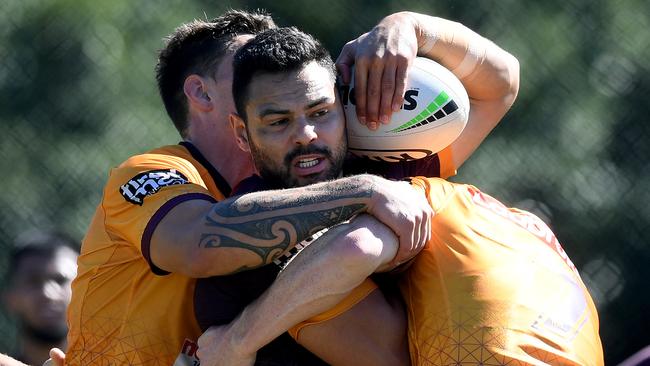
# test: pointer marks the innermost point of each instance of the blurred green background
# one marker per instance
(78, 96)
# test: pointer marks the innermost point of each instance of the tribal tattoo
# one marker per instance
(272, 222)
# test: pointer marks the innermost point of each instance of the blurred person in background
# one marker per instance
(42, 264)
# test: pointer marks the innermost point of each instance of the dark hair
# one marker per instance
(38, 242)
(275, 51)
(197, 48)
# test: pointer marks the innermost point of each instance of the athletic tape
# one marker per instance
(475, 54)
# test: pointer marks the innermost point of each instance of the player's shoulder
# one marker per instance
(440, 191)
(169, 155)
(172, 158)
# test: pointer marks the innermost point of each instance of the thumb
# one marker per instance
(57, 357)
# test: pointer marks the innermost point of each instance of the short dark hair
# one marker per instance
(197, 48)
(40, 243)
(274, 51)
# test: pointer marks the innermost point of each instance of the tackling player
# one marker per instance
(492, 286)
(163, 219)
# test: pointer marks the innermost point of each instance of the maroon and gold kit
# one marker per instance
(495, 287)
(124, 310)
(492, 287)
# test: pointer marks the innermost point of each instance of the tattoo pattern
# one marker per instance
(272, 222)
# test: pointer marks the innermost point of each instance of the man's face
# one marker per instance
(295, 127)
(40, 292)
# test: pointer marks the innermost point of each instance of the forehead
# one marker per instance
(295, 88)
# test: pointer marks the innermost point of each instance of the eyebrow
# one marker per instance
(270, 110)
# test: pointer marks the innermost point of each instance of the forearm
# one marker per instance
(315, 281)
(489, 74)
(487, 71)
(252, 230)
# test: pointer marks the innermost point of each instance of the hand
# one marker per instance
(407, 212)
(57, 358)
(216, 349)
(382, 58)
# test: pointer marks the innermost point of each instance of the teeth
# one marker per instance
(308, 163)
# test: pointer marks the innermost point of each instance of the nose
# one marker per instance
(305, 132)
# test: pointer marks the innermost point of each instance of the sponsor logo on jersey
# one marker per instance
(188, 357)
(148, 183)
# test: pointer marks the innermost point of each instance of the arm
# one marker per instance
(382, 56)
(8, 361)
(251, 230)
(315, 281)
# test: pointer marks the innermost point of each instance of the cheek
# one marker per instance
(334, 130)
(272, 144)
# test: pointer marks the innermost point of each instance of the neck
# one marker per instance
(232, 163)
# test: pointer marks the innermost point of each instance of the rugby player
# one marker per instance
(163, 219)
(492, 286)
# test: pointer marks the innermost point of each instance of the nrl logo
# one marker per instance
(148, 183)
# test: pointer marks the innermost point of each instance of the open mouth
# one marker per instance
(307, 163)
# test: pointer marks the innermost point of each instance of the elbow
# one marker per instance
(512, 76)
(197, 265)
(363, 251)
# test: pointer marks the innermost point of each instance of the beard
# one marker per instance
(278, 175)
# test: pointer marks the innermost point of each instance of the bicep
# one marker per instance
(176, 236)
(185, 241)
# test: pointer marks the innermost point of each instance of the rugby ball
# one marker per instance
(434, 113)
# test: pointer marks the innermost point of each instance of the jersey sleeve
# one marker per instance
(447, 167)
(436, 190)
(354, 297)
(142, 190)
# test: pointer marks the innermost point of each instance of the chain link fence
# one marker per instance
(78, 97)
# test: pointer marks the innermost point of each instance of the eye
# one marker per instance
(320, 112)
(279, 122)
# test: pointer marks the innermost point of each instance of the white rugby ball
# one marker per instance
(434, 113)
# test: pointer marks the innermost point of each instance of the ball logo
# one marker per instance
(393, 156)
(440, 107)
(410, 101)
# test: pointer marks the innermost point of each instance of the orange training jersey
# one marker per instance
(124, 310)
(494, 287)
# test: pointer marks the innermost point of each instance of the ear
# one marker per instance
(196, 90)
(239, 131)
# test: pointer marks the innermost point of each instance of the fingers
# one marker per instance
(360, 84)
(345, 61)
(401, 73)
(387, 91)
(379, 86)
(374, 90)
(57, 358)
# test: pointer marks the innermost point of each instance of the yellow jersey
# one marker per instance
(125, 310)
(494, 287)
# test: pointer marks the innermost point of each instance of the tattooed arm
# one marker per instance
(201, 239)
(316, 280)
